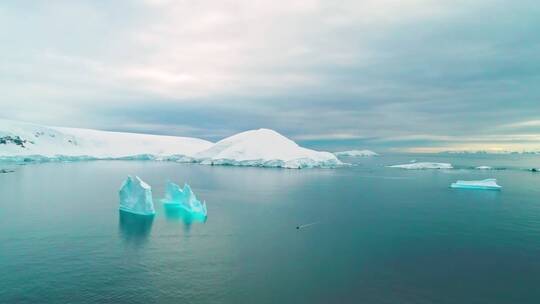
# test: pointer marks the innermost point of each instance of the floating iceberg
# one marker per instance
(136, 197)
(185, 199)
(484, 168)
(423, 165)
(486, 184)
(264, 148)
(356, 153)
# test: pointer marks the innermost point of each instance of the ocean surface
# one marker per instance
(369, 234)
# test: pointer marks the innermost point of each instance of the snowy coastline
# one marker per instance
(25, 142)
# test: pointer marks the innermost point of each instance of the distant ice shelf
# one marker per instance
(356, 153)
(423, 165)
(486, 184)
(484, 168)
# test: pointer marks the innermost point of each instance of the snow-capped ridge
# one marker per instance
(264, 148)
(20, 139)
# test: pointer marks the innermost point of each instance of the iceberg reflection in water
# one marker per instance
(134, 228)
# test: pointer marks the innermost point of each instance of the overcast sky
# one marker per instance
(408, 75)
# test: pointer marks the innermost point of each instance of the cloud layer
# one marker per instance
(410, 75)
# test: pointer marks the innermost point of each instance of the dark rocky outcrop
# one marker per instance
(17, 140)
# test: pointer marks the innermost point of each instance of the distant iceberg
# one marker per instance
(136, 197)
(486, 184)
(423, 165)
(264, 148)
(484, 168)
(356, 153)
(175, 197)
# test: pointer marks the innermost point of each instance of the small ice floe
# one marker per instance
(136, 197)
(486, 184)
(356, 153)
(483, 168)
(184, 200)
(423, 165)
(306, 225)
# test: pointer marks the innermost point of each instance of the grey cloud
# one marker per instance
(361, 73)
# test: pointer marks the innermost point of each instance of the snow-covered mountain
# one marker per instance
(263, 147)
(267, 148)
(26, 139)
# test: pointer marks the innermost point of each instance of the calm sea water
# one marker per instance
(380, 235)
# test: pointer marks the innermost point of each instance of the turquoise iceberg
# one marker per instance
(184, 199)
(486, 184)
(136, 197)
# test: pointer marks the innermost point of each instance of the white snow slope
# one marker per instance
(263, 147)
(38, 140)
